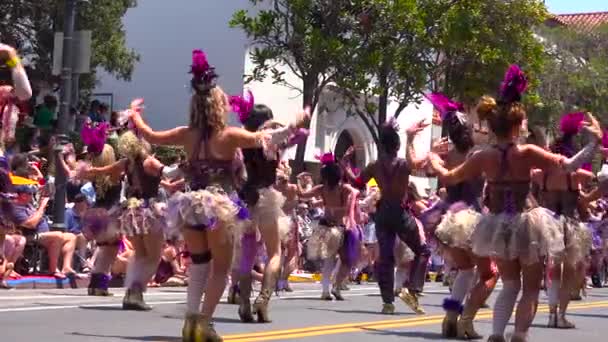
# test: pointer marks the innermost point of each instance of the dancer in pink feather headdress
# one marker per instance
(519, 239)
(461, 212)
(560, 192)
(210, 216)
(99, 222)
(336, 236)
(265, 204)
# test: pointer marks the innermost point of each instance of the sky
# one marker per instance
(578, 6)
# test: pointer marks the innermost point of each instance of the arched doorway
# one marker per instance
(345, 140)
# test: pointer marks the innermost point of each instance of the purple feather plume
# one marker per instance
(571, 124)
(242, 105)
(94, 137)
(514, 84)
(351, 248)
(452, 305)
(298, 137)
(605, 139)
(443, 104)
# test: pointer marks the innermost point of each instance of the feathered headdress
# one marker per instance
(571, 124)
(514, 85)
(242, 105)
(203, 74)
(447, 107)
(94, 136)
(326, 158)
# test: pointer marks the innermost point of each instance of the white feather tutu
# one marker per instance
(324, 242)
(207, 209)
(528, 237)
(456, 228)
(270, 208)
(578, 240)
(141, 217)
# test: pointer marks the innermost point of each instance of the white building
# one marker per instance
(164, 34)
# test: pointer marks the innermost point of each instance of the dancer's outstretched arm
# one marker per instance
(410, 153)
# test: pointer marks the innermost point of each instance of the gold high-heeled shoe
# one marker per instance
(466, 330)
(562, 323)
(260, 306)
(497, 338)
(199, 329)
(410, 299)
(449, 326)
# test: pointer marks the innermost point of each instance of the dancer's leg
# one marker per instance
(505, 302)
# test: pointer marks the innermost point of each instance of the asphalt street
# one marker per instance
(70, 315)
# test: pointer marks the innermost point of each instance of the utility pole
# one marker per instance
(64, 112)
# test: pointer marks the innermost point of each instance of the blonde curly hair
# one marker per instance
(105, 158)
(132, 147)
(208, 110)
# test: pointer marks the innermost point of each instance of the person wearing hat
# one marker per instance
(31, 220)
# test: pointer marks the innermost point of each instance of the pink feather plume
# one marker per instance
(605, 139)
(326, 158)
(571, 124)
(242, 105)
(514, 84)
(443, 104)
(94, 137)
(200, 64)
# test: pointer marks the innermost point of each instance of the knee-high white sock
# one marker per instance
(553, 292)
(328, 268)
(400, 276)
(503, 308)
(199, 273)
(133, 275)
(462, 284)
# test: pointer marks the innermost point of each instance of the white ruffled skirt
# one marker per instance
(528, 237)
(268, 211)
(141, 217)
(457, 227)
(578, 240)
(207, 209)
(325, 242)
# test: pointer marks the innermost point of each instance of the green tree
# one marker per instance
(478, 39)
(306, 36)
(30, 26)
(389, 57)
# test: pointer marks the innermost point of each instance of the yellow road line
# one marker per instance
(376, 325)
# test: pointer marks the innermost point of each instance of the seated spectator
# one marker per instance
(33, 221)
(46, 114)
(73, 223)
(13, 250)
(22, 166)
(170, 271)
(119, 268)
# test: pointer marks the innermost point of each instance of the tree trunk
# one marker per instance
(382, 102)
(307, 101)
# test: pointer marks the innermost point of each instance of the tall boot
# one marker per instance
(260, 306)
(245, 304)
(452, 308)
(134, 299)
(465, 328)
(98, 286)
(198, 328)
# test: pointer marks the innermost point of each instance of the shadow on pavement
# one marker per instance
(132, 338)
(364, 312)
(425, 335)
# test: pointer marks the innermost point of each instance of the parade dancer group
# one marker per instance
(237, 206)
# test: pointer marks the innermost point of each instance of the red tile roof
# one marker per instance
(583, 21)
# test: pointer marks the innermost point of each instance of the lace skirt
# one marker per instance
(142, 217)
(457, 226)
(403, 254)
(578, 240)
(269, 211)
(325, 241)
(101, 225)
(528, 237)
(206, 209)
